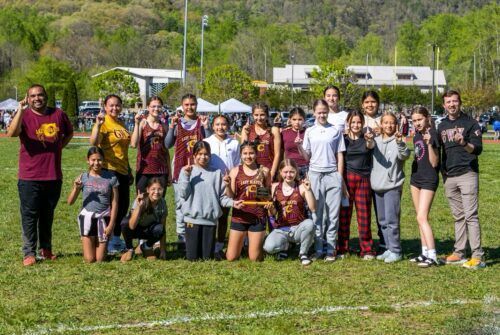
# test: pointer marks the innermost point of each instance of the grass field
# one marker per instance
(179, 297)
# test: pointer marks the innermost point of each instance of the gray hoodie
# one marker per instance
(202, 195)
(388, 163)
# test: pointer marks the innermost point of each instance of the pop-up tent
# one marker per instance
(9, 104)
(234, 106)
(204, 106)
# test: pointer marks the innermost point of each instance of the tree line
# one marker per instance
(52, 41)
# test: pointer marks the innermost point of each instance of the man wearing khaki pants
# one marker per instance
(461, 143)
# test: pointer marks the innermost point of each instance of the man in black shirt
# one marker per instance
(461, 143)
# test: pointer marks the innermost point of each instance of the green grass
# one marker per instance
(72, 294)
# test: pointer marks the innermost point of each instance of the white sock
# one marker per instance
(425, 251)
(431, 253)
(219, 246)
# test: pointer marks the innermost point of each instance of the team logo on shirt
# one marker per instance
(251, 189)
(190, 145)
(47, 131)
(121, 134)
(260, 147)
(419, 150)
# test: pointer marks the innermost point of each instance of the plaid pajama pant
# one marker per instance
(360, 195)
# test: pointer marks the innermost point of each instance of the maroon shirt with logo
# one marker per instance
(41, 138)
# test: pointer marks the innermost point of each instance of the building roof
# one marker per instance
(420, 76)
(147, 73)
(402, 75)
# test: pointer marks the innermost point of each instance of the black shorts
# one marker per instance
(90, 231)
(430, 186)
(251, 227)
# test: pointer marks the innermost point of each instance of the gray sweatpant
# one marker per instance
(279, 238)
(179, 218)
(389, 211)
(462, 193)
(327, 189)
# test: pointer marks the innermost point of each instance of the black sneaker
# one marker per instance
(418, 259)
(281, 256)
(427, 263)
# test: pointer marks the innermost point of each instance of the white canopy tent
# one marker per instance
(204, 106)
(9, 104)
(234, 106)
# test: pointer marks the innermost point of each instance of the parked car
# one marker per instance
(310, 121)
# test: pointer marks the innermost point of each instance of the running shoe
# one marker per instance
(474, 264)
(29, 261)
(383, 256)
(393, 257)
(455, 259)
(304, 260)
(47, 255)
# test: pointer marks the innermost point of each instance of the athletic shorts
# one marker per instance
(424, 185)
(90, 231)
(251, 227)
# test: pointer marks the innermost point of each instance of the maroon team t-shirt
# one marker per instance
(41, 144)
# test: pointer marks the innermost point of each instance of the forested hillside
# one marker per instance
(82, 37)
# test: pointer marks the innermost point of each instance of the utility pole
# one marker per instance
(204, 23)
(433, 93)
(185, 42)
(293, 63)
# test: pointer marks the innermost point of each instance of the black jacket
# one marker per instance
(455, 160)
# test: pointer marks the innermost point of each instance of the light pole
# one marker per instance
(293, 64)
(433, 93)
(185, 42)
(204, 23)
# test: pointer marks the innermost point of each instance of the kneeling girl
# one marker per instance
(289, 213)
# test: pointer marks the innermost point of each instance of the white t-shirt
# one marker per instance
(323, 143)
(225, 154)
(373, 122)
(338, 120)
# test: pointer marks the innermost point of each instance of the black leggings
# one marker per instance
(123, 200)
(151, 234)
(200, 241)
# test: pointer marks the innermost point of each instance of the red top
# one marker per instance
(246, 189)
(41, 138)
(290, 147)
(291, 209)
(152, 156)
(186, 139)
(265, 148)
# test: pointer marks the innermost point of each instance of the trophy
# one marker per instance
(263, 194)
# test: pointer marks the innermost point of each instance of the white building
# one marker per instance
(369, 76)
(151, 81)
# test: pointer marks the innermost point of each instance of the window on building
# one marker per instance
(361, 76)
(406, 76)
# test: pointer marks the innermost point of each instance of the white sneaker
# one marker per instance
(330, 258)
(304, 260)
(368, 257)
(393, 257)
(384, 255)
